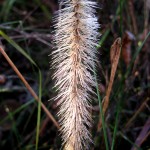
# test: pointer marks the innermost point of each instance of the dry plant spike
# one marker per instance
(28, 86)
(128, 38)
(74, 59)
(114, 58)
(115, 51)
(132, 15)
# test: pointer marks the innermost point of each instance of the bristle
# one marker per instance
(76, 33)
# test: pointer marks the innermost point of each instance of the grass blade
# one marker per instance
(6, 9)
(39, 112)
(121, 3)
(101, 113)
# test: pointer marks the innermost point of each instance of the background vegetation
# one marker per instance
(26, 29)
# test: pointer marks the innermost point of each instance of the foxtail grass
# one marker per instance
(76, 32)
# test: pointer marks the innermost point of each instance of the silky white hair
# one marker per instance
(76, 32)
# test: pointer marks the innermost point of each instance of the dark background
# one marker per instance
(29, 24)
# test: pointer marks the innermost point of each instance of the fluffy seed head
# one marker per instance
(74, 59)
